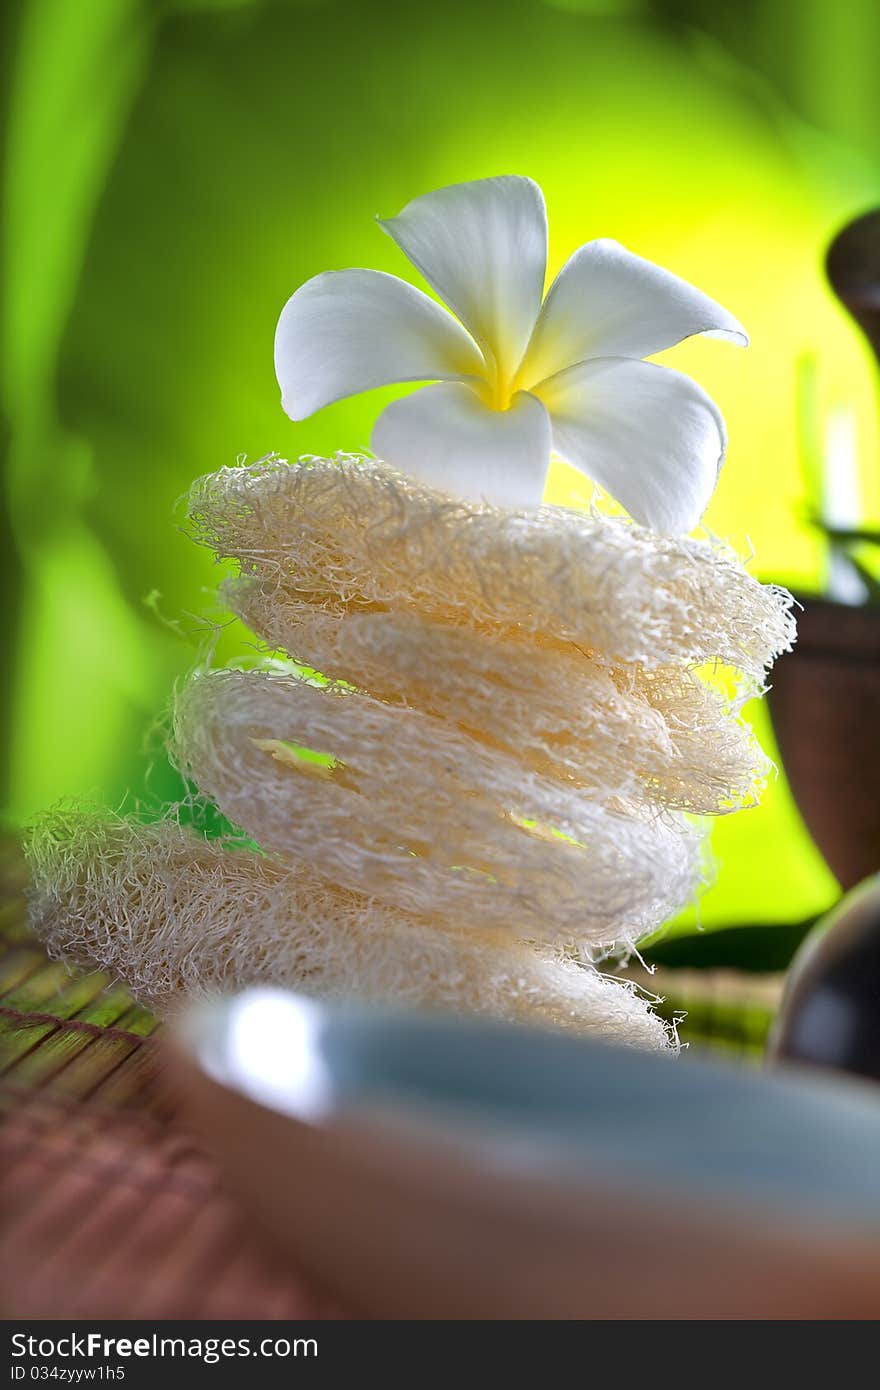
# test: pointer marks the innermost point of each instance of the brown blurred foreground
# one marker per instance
(108, 1207)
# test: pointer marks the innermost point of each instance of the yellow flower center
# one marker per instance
(499, 386)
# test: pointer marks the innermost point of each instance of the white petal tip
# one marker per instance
(292, 412)
(735, 334)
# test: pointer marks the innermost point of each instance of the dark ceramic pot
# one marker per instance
(825, 707)
(830, 1013)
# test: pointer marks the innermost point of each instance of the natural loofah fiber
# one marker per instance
(351, 534)
(662, 735)
(178, 916)
(492, 780)
(420, 814)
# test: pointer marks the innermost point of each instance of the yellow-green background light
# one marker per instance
(173, 172)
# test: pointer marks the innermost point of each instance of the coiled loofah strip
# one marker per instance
(492, 778)
(348, 533)
(412, 810)
(178, 916)
(663, 736)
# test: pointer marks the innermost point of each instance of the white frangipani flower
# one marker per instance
(514, 378)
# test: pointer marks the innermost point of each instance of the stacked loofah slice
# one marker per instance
(494, 783)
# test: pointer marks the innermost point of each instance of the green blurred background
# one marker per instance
(173, 171)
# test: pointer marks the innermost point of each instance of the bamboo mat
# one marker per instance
(108, 1207)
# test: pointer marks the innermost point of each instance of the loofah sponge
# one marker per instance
(492, 782)
(178, 916)
(349, 534)
(421, 814)
(661, 735)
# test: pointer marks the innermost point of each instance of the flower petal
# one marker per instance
(608, 302)
(350, 330)
(483, 247)
(445, 436)
(649, 435)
